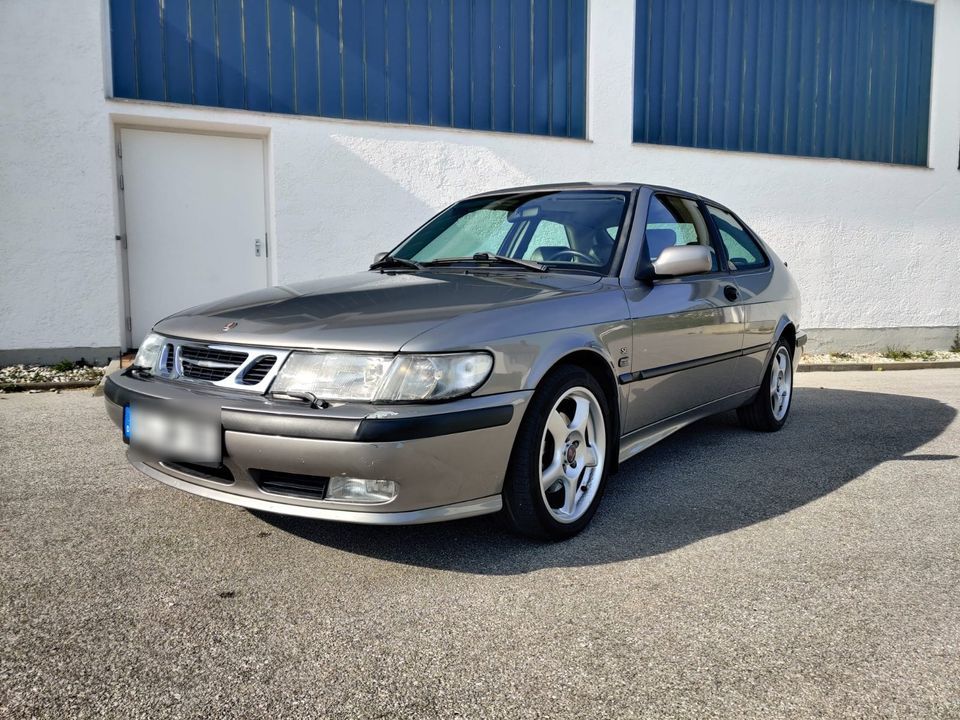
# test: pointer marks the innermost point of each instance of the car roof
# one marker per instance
(574, 186)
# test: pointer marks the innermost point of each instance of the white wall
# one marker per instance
(58, 262)
(872, 245)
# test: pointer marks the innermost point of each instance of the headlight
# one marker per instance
(373, 378)
(149, 352)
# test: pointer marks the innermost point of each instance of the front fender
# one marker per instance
(521, 363)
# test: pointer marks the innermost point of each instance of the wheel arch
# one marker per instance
(787, 330)
(597, 363)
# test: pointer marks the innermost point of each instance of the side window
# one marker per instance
(743, 253)
(548, 238)
(675, 221)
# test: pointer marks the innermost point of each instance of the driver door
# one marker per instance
(687, 330)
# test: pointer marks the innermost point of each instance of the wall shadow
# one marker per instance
(710, 478)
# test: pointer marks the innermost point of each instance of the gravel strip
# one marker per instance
(877, 358)
(34, 374)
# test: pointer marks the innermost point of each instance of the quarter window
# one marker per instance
(675, 221)
(743, 253)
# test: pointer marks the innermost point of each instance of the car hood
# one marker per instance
(368, 311)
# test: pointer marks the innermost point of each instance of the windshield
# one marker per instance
(576, 230)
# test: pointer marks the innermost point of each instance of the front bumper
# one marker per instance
(448, 460)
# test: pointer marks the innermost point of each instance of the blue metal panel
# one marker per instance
(176, 51)
(396, 73)
(233, 92)
(306, 57)
(418, 57)
(540, 76)
(280, 29)
(460, 64)
(507, 65)
(481, 87)
(203, 53)
(844, 78)
(351, 27)
(438, 21)
(503, 66)
(122, 41)
(578, 69)
(331, 61)
(558, 43)
(256, 55)
(148, 31)
(375, 59)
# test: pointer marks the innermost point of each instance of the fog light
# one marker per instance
(361, 491)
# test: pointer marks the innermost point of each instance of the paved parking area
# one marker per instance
(811, 573)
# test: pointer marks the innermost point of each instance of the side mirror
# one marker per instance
(379, 256)
(683, 260)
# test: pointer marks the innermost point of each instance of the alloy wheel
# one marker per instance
(572, 454)
(781, 383)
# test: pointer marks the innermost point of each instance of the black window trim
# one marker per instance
(717, 248)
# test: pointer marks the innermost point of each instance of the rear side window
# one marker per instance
(743, 253)
(675, 221)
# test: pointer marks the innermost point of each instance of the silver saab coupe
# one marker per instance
(504, 358)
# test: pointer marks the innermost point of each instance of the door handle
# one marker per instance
(730, 292)
(256, 247)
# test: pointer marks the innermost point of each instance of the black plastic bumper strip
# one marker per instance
(367, 430)
(689, 364)
(414, 428)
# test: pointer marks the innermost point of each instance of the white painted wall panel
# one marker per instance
(58, 265)
(872, 245)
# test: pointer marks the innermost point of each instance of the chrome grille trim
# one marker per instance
(223, 366)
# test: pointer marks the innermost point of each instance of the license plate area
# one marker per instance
(186, 434)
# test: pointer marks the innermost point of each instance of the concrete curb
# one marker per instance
(840, 367)
(24, 387)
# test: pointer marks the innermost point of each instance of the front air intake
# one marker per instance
(258, 371)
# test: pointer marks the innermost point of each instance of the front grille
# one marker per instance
(204, 363)
(246, 368)
(258, 371)
(291, 484)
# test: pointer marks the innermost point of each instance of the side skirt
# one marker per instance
(639, 440)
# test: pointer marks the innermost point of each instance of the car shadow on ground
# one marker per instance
(713, 477)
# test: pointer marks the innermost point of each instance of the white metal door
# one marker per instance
(194, 211)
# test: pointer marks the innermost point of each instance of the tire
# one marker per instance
(570, 404)
(768, 411)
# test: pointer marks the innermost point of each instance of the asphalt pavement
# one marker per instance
(813, 572)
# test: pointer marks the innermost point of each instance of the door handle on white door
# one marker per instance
(256, 247)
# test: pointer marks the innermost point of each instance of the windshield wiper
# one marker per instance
(393, 261)
(488, 258)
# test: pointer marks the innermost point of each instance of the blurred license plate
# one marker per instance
(173, 435)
